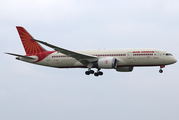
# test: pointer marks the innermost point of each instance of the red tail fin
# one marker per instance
(30, 45)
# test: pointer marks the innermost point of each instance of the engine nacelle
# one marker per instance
(107, 63)
(124, 69)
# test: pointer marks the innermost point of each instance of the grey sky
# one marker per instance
(29, 91)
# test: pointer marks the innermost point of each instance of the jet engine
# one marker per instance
(124, 69)
(107, 63)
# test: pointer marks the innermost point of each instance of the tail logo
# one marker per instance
(29, 44)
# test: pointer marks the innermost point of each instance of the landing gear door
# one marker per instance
(129, 55)
(156, 54)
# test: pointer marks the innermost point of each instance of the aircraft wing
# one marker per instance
(85, 59)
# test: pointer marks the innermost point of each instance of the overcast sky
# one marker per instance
(32, 92)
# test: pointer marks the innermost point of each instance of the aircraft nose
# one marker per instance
(174, 60)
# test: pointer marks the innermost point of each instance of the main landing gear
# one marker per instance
(89, 72)
(162, 66)
(92, 72)
(98, 73)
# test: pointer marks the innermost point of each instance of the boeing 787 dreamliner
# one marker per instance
(122, 60)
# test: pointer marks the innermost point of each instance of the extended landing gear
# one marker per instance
(92, 72)
(98, 73)
(89, 72)
(160, 71)
(162, 66)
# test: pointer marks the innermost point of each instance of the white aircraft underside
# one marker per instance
(122, 60)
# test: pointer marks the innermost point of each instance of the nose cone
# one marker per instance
(174, 60)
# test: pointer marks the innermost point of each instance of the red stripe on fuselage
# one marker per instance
(41, 55)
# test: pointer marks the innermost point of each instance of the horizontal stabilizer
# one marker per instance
(21, 56)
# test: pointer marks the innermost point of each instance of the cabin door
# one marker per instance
(156, 54)
(129, 55)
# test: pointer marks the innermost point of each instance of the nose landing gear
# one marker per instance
(160, 71)
(161, 66)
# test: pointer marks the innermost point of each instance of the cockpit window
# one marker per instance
(168, 54)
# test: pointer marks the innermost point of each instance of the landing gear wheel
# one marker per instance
(160, 71)
(91, 71)
(96, 74)
(100, 73)
(87, 72)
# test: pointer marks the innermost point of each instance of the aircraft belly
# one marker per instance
(64, 62)
(148, 61)
(144, 61)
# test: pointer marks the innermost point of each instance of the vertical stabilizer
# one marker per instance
(29, 44)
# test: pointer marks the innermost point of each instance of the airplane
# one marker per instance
(122, 60)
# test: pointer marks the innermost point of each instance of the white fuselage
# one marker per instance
(125, 57)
